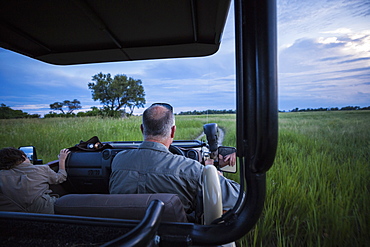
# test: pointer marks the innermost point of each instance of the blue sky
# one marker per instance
(324, 61)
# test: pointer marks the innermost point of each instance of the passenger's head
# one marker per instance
(158, 122)
(11, 157)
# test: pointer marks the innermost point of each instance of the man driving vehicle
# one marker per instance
(152, 168)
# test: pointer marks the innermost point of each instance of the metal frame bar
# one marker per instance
(143, 234)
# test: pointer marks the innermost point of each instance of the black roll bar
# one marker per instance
(144, 234)
(256, 70)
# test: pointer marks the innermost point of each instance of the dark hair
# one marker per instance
(11, 157)
(157, 121)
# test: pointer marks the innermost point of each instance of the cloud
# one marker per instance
(326, 70)
(193, 93)
(360, 59)
(307, 19)
(337, 58)
(359, 8)
(339, 31)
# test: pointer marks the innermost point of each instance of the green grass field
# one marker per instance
(317, 190)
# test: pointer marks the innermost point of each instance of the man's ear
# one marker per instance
(24, 158)
(142, 128)
(173, 130)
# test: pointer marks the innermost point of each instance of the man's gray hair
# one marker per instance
(157, 122)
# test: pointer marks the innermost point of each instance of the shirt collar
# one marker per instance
(154, 146)
(25, 164)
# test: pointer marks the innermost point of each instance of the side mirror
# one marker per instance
(30, 152)
(211, 132)
(225, 151)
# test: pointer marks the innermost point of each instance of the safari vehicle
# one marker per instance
(89, 163)
(91, 31)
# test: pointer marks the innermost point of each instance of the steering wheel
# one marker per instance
(176, 150)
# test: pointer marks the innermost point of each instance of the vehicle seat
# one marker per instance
(122, 206)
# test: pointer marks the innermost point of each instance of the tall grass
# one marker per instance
(52, 134)
(317, 190)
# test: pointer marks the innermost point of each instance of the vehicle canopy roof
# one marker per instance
(77, 31)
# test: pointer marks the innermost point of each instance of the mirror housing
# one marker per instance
(31, 154)
(211, 132)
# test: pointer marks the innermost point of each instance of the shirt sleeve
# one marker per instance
(230, 192)
(56, 177)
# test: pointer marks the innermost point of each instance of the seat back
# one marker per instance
(122, 206)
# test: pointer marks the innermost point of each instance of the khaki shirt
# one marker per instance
(26, 182)
(152, 168)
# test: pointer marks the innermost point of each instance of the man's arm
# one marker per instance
(230, 192)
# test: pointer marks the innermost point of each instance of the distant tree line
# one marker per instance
(7, 113)
(346, 108)
(207, 112)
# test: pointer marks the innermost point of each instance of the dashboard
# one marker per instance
(89, 171)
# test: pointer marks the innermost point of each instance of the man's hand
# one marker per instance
(208, 162)
(227, 160)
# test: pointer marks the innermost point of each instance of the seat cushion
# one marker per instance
(122, 206)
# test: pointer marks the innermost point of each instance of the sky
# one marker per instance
(323, 61)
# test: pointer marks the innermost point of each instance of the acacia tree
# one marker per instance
(117, 93)
(71, 105)
(57, 106)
